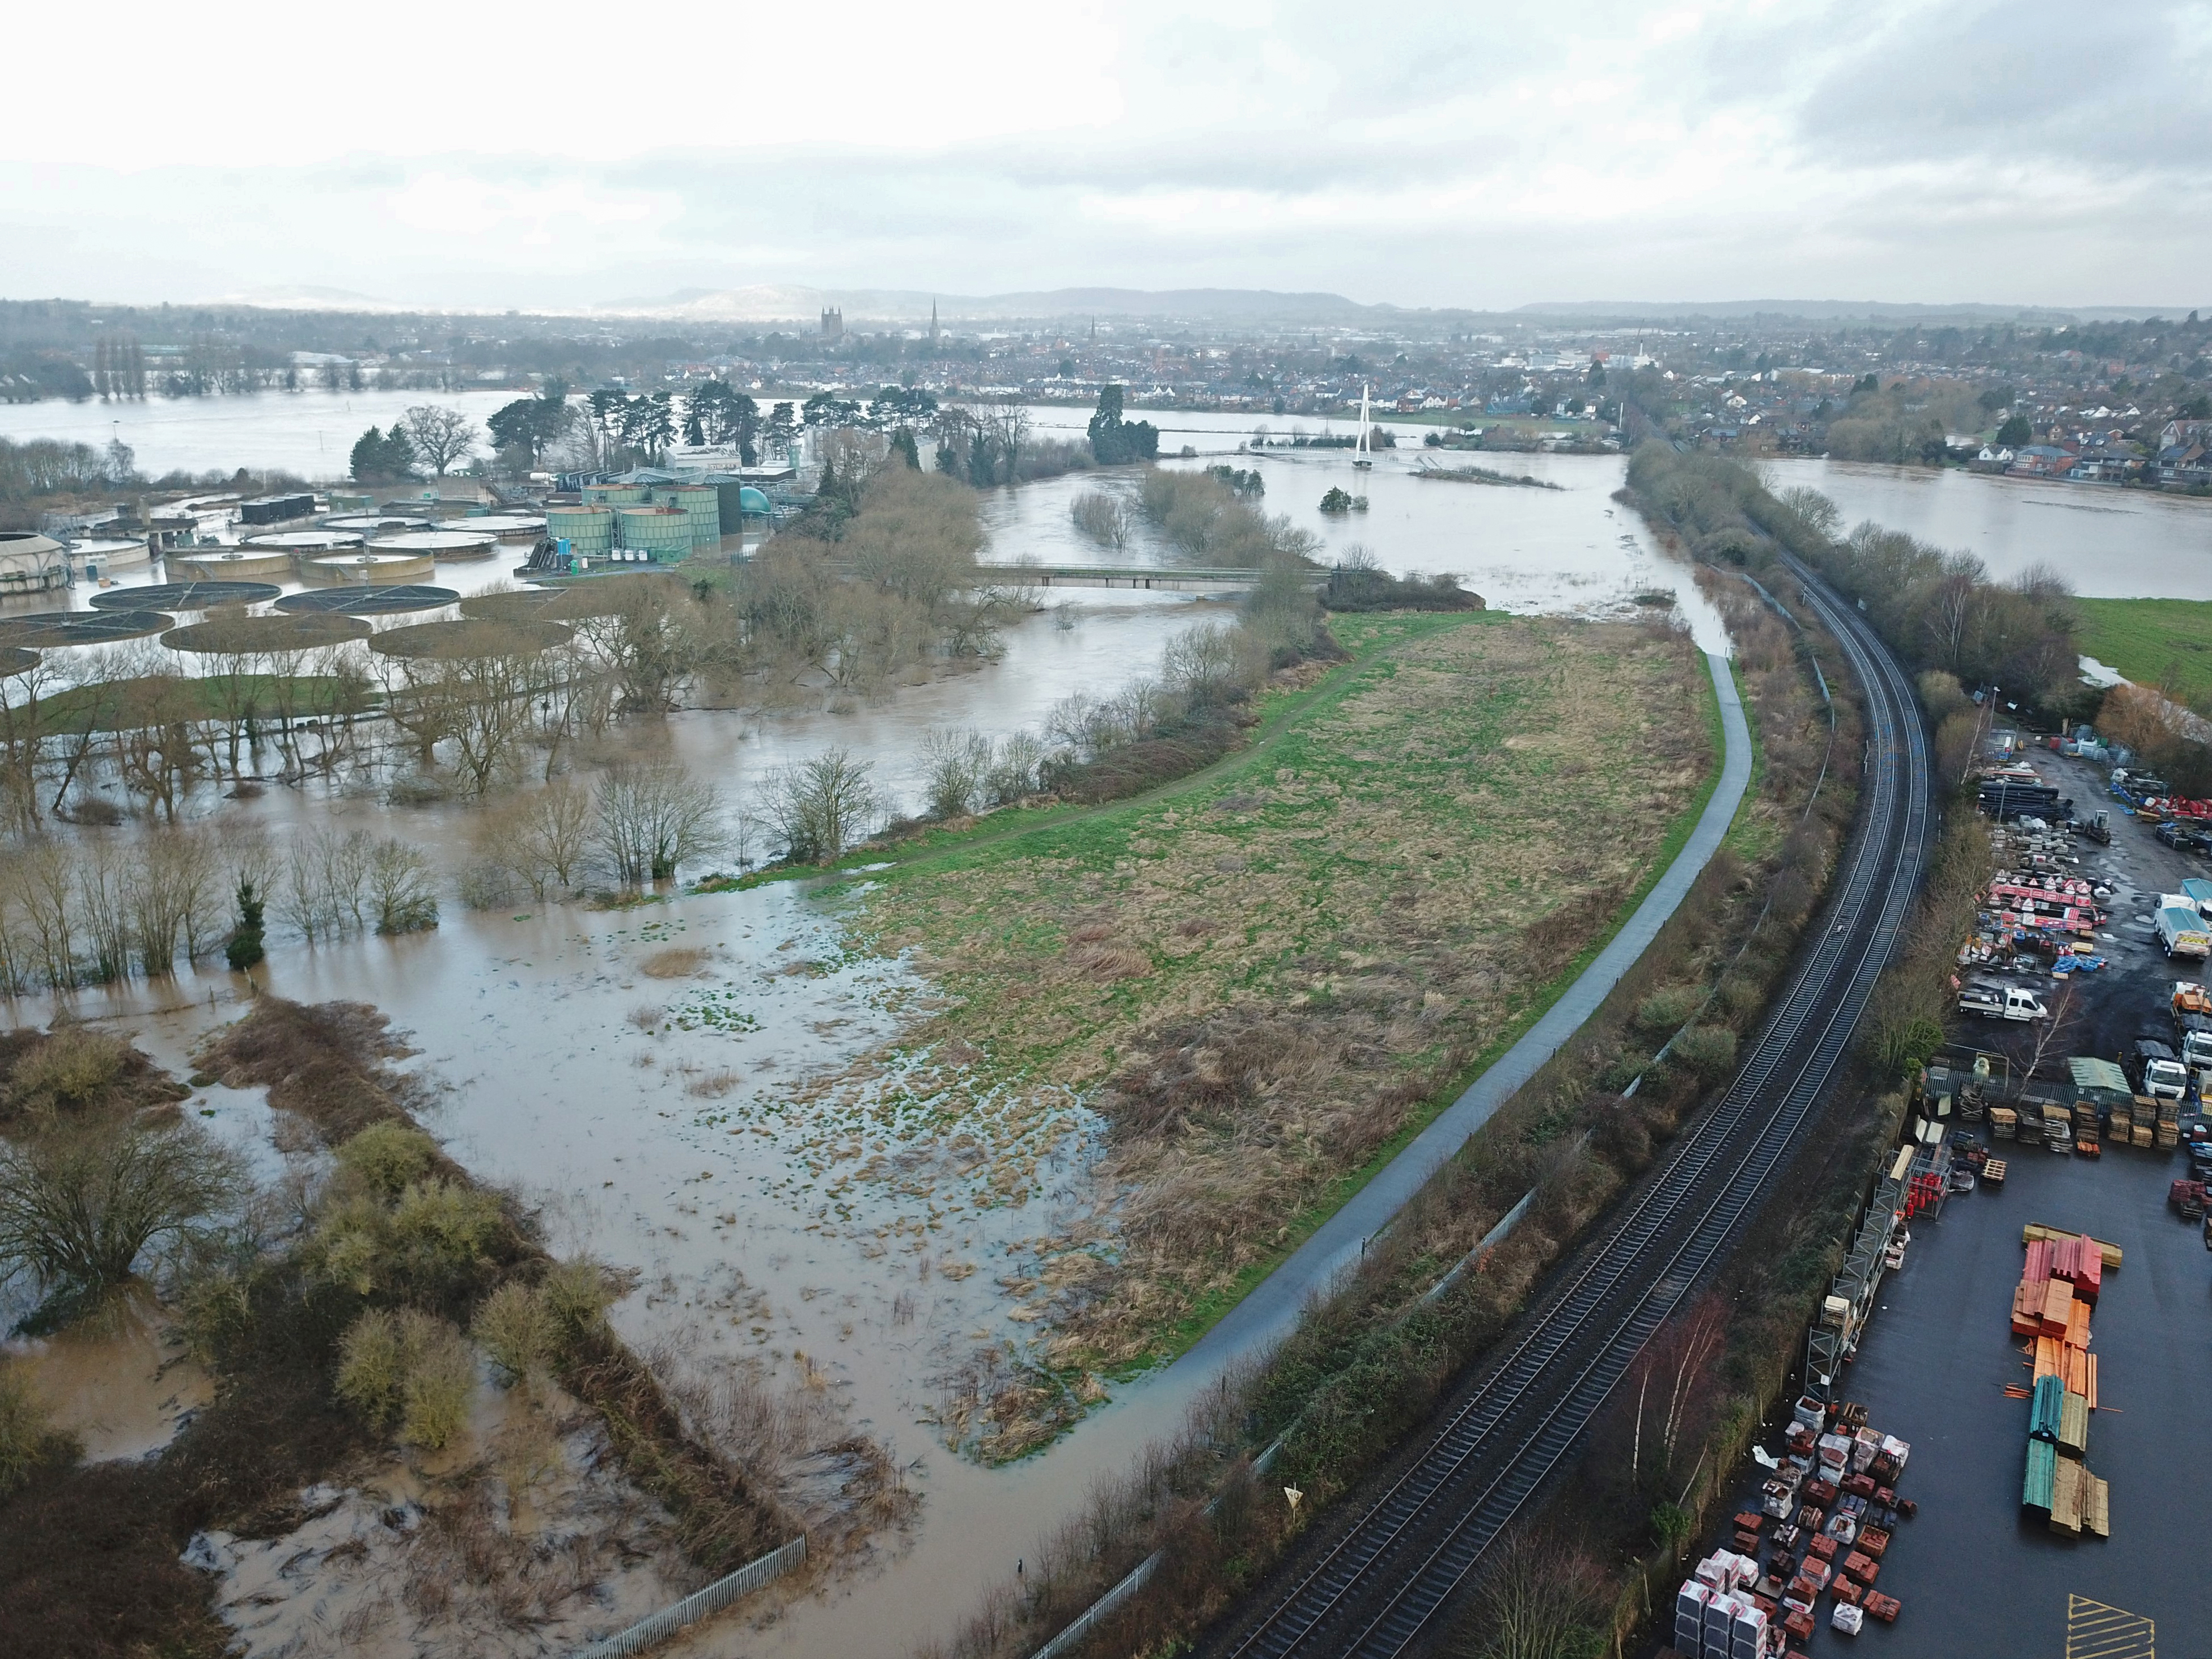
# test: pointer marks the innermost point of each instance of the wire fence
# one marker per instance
(717, 1595)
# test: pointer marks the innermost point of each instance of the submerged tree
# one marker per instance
(78, 1206)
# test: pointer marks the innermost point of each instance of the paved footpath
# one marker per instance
(1267, 1314)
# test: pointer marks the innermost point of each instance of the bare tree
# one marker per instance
(955, 765)
(400, 887)
(821, 808)
(1105, 519)
(77, 1207)
(653, 818)
(440, 436)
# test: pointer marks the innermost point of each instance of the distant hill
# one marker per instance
(1833, 311)
(795, 303)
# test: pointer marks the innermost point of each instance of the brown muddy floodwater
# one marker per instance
(118, 1380)
(653, 1079)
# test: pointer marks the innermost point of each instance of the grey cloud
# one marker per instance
(2038, 80)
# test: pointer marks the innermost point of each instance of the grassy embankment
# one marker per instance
(1267, 978)
(2166, 643)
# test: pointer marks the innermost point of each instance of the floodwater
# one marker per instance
(312, 433)
(2107, 542)
(118, 1380)
(673, 1084)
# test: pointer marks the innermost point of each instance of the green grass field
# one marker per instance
(2161, 643)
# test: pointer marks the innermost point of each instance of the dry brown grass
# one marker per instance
(678, 962)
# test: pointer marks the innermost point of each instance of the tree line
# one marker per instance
(1940, 611)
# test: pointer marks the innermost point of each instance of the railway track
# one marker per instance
(1376, 1592)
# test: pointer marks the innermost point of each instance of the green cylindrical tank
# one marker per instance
(587, 530)
(663, 532)
(703, 506)
(617, 495)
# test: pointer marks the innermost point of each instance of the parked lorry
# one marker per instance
(2181, 931)
(1994, 1002)
(2159, 1074)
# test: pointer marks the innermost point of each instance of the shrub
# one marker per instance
(1666, 1010)
(409, 1365)
(515, 1327)
(442, 1227)
(386, 1157)
(1708, 1051)
(28, 1436)
(432, 1241)
(576, 1294)
(71, 1068)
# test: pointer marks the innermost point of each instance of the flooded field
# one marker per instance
(643, 1076)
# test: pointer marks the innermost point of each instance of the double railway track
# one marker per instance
(1376, 1591)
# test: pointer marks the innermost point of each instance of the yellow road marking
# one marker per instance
(2094, 1630)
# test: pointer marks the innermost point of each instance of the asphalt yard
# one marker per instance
(1976, 1573)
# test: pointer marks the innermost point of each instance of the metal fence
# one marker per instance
(693, 1607)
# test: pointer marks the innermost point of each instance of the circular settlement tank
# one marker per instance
(303, 543)
(587, 530)
(702, 507)
(110, 554)
(617, 494)
(377, 524)
(507, 527)
(371, 567)
(439, 544)
(208, 564)
(663, 532)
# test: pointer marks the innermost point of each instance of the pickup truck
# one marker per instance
(2181, 932)
(2001, 1002)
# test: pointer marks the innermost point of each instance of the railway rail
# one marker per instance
(1377, 1590)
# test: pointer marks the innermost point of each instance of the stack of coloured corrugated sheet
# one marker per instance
(2045, 1407)
(2066, 1497)
(2074, 1424)
(2042, 1470)
(2068, 1269)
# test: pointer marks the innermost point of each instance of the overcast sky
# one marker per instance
(1480, 154)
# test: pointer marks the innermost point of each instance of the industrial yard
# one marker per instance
(2033, 1326)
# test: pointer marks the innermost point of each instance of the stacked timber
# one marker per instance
(2058, 1290)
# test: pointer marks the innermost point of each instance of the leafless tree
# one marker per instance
(400, 888)
(822, 807)
(1105, 518)
(440, 436)
(78, 1206)
(653, 818)
(954, 764)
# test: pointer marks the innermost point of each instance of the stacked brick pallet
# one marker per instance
(1824, 1525)
(2051, 1308)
